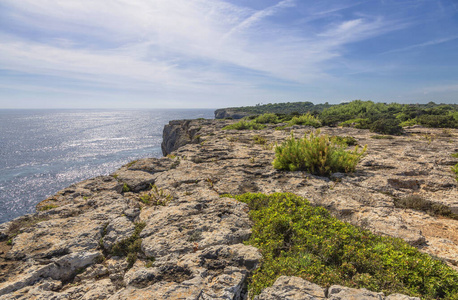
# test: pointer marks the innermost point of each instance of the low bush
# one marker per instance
(297, 239)
(307, 120)
(317, 154)
(437, 121)
(345, 140)
(267, 118)
(387, 126)
(130, 246)
(260, 140)
(357, 123)
(244, 125)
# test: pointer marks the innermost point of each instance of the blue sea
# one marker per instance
(44, 151)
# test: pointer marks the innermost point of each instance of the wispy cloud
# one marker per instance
(422, 45)
(182, 46)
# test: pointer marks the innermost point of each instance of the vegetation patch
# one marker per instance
(47, 207)
(306, 120)
(268, 118)
(131, 246)
(125, 188)
(260, 140)
(316, 154)
(455, 167)
(417, 202)
(244, 125)
(379, 117)
(297, 239)
(156, 197)
(344, 140)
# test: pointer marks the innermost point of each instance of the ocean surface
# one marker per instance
(44, 151)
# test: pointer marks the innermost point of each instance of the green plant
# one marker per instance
(307, 120)
(298, 239)
(267, 118)
(455, 170)
(316, 154)
(47, 207)
(245, 125)
(357, 123)
(130, 246)
(125, 188)
(346, 140)
(409, 122)
(386, 126)
(156, 197)
(260, 140)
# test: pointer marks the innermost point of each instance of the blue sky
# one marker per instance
(213, 53)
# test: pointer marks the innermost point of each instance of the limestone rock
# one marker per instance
(191, 245)
(292, 288)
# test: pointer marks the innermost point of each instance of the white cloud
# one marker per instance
(180, 46)
(425, 44)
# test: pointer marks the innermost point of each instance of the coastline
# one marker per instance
(65, 248)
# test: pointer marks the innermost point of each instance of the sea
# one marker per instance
(44, 151)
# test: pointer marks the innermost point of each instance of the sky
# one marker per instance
(223, 53)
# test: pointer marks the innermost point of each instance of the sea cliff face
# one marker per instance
(225, 113)
(158, 228)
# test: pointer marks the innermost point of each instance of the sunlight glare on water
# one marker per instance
(44, 151)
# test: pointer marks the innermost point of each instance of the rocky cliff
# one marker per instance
(231, 113)
(158, 228)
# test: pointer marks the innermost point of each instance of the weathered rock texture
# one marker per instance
(295, 288)
(188, 240)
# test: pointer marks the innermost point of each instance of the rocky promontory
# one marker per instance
(230, 113)
(158, 228)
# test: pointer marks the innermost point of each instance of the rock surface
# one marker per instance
(158, 228)
(295, 288)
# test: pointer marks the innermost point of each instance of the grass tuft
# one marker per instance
(317, 154)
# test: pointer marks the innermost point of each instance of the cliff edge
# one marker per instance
(158, 228)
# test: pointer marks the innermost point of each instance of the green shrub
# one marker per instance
(455, 167)
(125, 188)
(129, 247)
(409, 122)
(267, 118)
(357, 123)
(345, 140)
(386, 126)
(438, 121)
(260, 140)
(156, 197)
(245, 125)
(317, 154)
(307, 120)
(297, 239)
